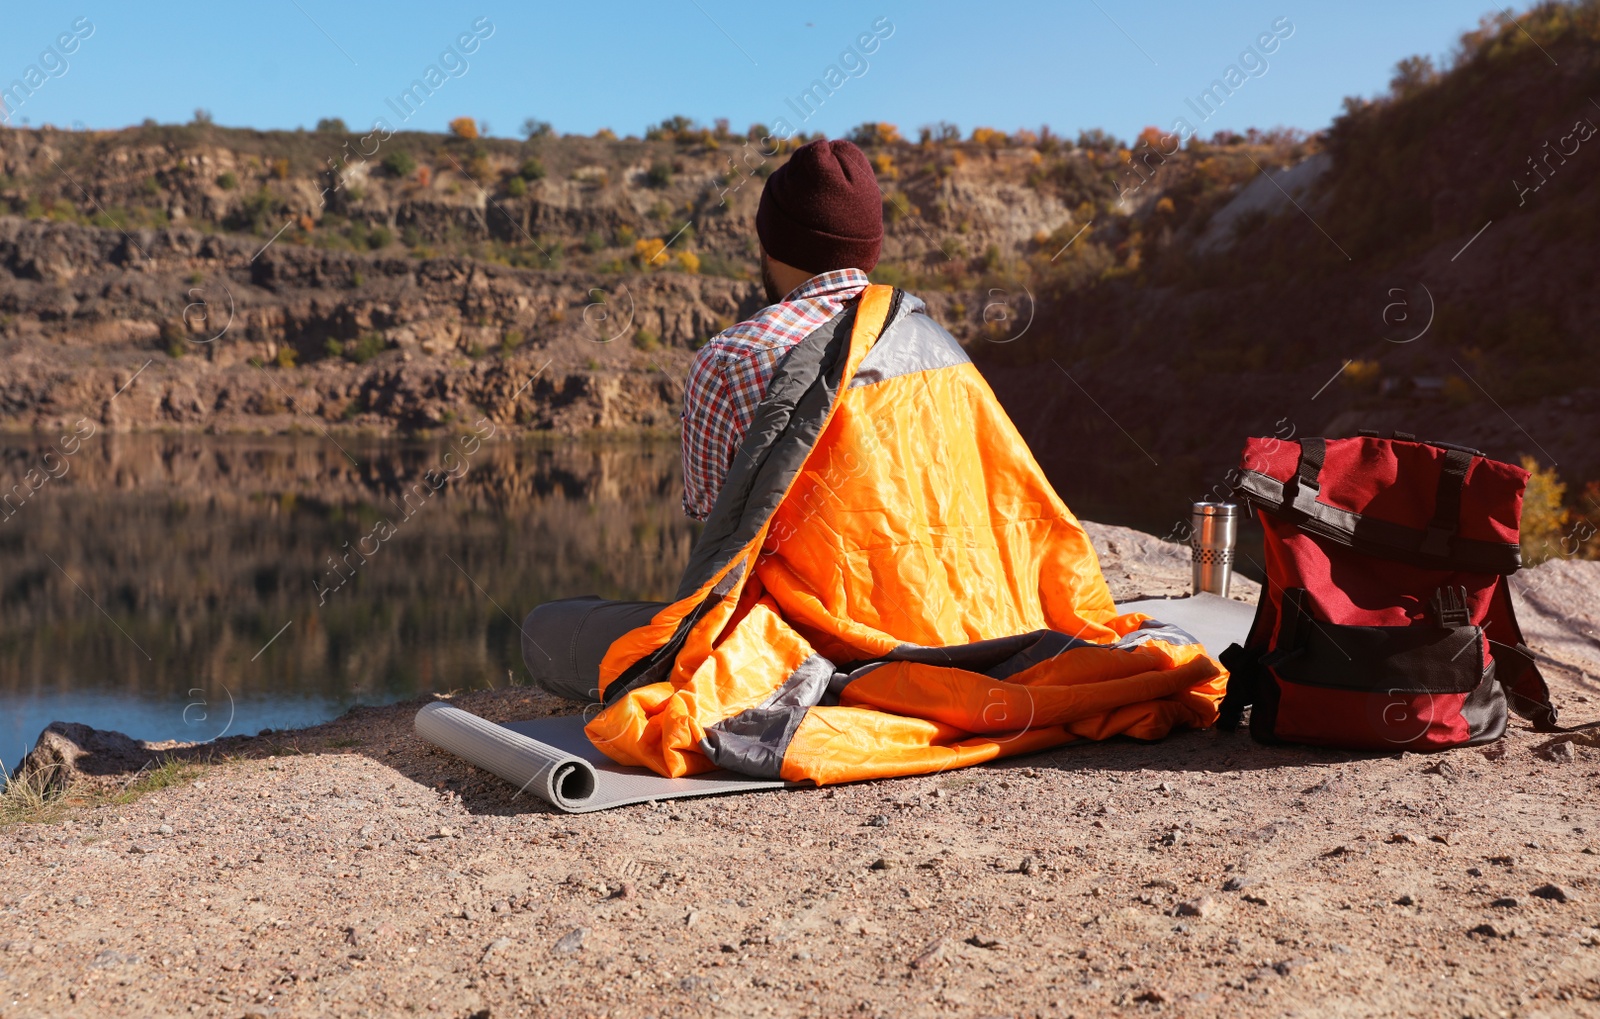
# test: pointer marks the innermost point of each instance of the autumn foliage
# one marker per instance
(875, 133)
(989, 137)
(647, 251)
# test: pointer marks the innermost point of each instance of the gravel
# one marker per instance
(265, 899)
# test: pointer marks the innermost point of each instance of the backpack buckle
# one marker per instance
(1448, 607)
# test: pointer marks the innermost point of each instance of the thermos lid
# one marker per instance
(1215, 509)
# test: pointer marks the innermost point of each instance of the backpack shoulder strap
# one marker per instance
(1243, 663)
(1514, 663)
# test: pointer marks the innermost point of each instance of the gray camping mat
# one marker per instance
(552, 758)
(1215, 622)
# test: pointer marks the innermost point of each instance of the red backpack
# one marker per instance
(1386, 621)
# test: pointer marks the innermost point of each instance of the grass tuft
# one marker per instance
(39, 797)
(169, 772)
(31, 798)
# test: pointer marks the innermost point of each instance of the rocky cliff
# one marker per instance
(308, 338)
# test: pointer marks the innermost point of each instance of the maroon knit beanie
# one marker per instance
(822, 210)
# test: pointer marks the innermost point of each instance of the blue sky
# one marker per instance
(1116, 64)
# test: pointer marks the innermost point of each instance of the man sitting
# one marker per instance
(886, 583)
(821, 210)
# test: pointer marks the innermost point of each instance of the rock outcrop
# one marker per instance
(69, 751)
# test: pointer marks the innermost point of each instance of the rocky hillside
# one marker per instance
(264, 279)
(307, 338)
(1429, 269)
(1425, 264)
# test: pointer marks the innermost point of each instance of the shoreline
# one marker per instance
(1136, 564)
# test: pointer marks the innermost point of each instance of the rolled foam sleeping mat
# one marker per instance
(553, 759)
(555, 776)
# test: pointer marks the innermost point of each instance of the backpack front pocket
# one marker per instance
(1419, 687)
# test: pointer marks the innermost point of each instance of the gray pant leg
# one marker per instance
(564, 641)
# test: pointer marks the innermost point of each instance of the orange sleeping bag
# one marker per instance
(889, 586)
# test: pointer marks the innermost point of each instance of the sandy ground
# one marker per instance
(349, 869)
(1203, 875)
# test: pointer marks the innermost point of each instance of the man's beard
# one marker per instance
(774, 295)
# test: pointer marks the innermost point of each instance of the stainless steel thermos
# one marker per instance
(1213, 528)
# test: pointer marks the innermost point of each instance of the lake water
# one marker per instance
(183, 587)
(174, 587)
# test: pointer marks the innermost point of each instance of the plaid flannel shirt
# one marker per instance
(730, 375)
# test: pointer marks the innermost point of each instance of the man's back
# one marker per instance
(731, 373)
(821, 228)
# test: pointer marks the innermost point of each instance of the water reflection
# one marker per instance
(168, 585)
(157, 584)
